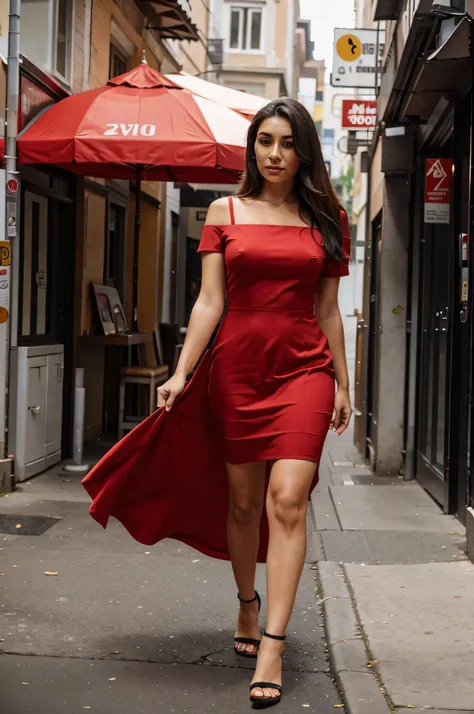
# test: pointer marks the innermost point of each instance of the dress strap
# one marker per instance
(231, 210)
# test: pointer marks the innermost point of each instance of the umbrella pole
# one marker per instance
(136, 249)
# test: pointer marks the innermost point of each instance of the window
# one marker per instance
(245, 29)
(118, 62)
(63, 38)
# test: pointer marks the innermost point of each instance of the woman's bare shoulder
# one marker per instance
(218, 213)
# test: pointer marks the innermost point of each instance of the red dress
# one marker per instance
(264, 392)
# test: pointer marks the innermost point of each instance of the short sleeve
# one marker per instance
(211, 240)
(334, 268)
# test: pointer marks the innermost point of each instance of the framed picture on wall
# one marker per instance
(116, 313)
(104, 309)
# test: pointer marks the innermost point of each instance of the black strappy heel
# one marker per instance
(248, 640)
(265, 702)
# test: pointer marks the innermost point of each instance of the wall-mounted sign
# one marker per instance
(357, 58)
(358, 113)
(438, 180)
(33, 100)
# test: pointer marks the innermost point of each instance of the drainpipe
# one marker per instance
(8, 325)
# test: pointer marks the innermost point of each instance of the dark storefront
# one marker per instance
(426, 142)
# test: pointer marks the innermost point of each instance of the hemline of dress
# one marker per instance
(285, 457)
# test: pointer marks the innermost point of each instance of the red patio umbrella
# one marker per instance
(139, 126)
(242, 102)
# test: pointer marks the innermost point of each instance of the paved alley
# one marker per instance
(116, 627)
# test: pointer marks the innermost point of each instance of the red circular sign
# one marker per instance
(12, 185)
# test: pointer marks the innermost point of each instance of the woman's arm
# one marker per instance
(205, 315)
(330, 321)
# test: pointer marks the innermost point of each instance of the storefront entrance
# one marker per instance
(443, 410)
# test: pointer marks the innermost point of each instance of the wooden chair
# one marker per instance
(132, 411)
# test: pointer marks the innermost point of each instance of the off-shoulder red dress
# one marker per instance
(264, 392)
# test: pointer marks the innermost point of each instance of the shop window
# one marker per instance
(63, 38)
(118, 62)
(246, 25)
(114, 249)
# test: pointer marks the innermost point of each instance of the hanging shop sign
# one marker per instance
(438, 180)
(357, 59)
(358, 113)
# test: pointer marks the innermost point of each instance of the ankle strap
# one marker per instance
(248, 602)
(282, 638)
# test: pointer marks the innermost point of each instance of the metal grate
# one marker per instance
(26, 525)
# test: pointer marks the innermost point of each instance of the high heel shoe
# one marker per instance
(248, 640)
(265, 702)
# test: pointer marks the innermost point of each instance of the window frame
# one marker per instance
(242, 9)
(69, 52)
(116, 51)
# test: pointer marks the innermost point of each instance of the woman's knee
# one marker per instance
(287, 509)
(245, 511)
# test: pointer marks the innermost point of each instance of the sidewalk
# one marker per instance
(398, 591)
(120, 628)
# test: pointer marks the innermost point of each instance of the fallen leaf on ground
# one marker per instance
(18, 525)
(307, 706)
(112, 679)
(25, 682)
(50, 572)
(338, 706)
(116, 652)
(410, 706)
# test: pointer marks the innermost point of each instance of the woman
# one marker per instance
(277, 251)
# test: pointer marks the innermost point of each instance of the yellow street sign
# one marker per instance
(349, 48)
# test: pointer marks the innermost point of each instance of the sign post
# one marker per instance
(357, 58)
(11, 226)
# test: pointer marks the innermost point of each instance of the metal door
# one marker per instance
(54, 403)
(36, 412)
(435, 336)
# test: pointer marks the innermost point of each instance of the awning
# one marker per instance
(446, 72)
(170, 19)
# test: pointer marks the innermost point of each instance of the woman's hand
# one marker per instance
(342, 411)
(168, 392)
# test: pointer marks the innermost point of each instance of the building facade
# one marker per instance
(259, 45)
(414, 412)
(78, 231)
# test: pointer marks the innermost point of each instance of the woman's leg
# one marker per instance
(287, 506)
(246, 499)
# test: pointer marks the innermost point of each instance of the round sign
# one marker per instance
(3, 315)
(349, 48)
(12, 185)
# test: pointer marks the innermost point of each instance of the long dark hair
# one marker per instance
(318, 204)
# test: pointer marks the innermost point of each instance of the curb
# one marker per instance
(347, 651)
